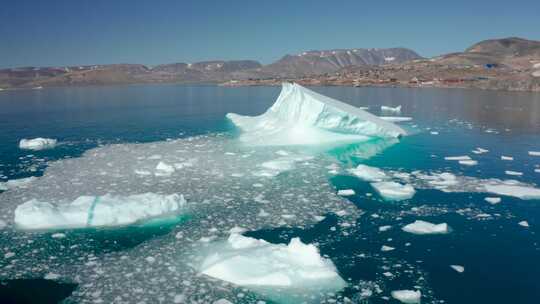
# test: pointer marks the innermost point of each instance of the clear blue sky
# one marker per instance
(72, 32)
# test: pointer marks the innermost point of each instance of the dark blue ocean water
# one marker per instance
(501, 258)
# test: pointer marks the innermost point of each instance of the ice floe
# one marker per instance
(468, 162)
(389, 109)
(493, 200)
(346, 192)
(393, 191)
(37, 143)
(423, 227)
(458, 158)
(303, 117)
(259, 265)
(508, 158)
(368, 174)
(407, 296)
(479, 151)
(534, 153)
(395, 118)
(17, 183)
(513, 173)
(458, 268)
(96, 211)
(524, 224)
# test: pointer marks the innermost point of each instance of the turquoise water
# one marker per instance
(501, 258)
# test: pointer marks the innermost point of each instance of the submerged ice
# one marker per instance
(303, 117)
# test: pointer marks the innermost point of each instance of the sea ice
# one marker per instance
(385, 248)
(534, 153)
(468, 162)
(346, 192)
(503, 157)
(391, 109)
(395, 118)
(422, 227)
(96, 211)
(514, 173)
(303, 117)
(523, 224)
(393, 191)
(37, 143)
(458, 158)
(260, 266)
(493, 200)
(407, 296)
(480, 151)
(17, 183)
(522, 192)
(368, 174)
(458, 268)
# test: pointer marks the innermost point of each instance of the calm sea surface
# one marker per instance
(501, 258)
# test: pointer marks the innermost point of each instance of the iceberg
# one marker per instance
(96, 211)
(37, 143)
(392, 191)
(407, 296)
(423, 227)
(295, 269)
(303, 117)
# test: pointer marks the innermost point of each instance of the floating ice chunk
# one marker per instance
(434, 133)
(303, 117)
(393, 191)
(534, 153)
(368, 174)
(58, 235)
(513, 173)
(385, 228)
(480, 151)
(96, 211)
(422, 227)
(468, 162)
(458, 268)
(17, 183)
(163, 169)
(524, 224)
(37, 143)
(346, 192)
(262, 266)
(522, 192)
(458, 158)
(51, 276)
(407, 296)
(493, 200)
(537, 170)
(506, 157)
(391, 109)
(395, 118)
(3, 224)
(142, 172)
(385, 248)
(222, 301)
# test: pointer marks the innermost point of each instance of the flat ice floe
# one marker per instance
(37, 143)
(393, 191)
(303, 117)
(96, 211)
(423, 227)
(407, 296)
(295, 269)
(389, 109)
(368, 174)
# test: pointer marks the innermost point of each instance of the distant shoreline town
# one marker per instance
(511, 64)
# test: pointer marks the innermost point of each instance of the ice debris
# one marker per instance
(524, 224)
(346, 192)
(96, 211)
(303, 117)
(37, 143)
(389, 109)
(458, 268)
(368, 174)
(423, 227)
(17, 183)
(493, 200)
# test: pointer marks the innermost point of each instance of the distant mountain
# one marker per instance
(328, 61)
(512, 46)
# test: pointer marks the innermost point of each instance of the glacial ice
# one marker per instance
(96, 211)
(423, 227)
(392, 191)
(303, 117)
(257, 264)
(407, 296)
(37, 143)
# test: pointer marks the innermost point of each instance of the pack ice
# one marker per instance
(295, 268)
(303, 117)
(96, 211)
(37, 143)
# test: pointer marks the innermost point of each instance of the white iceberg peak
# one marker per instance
(303, 117)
